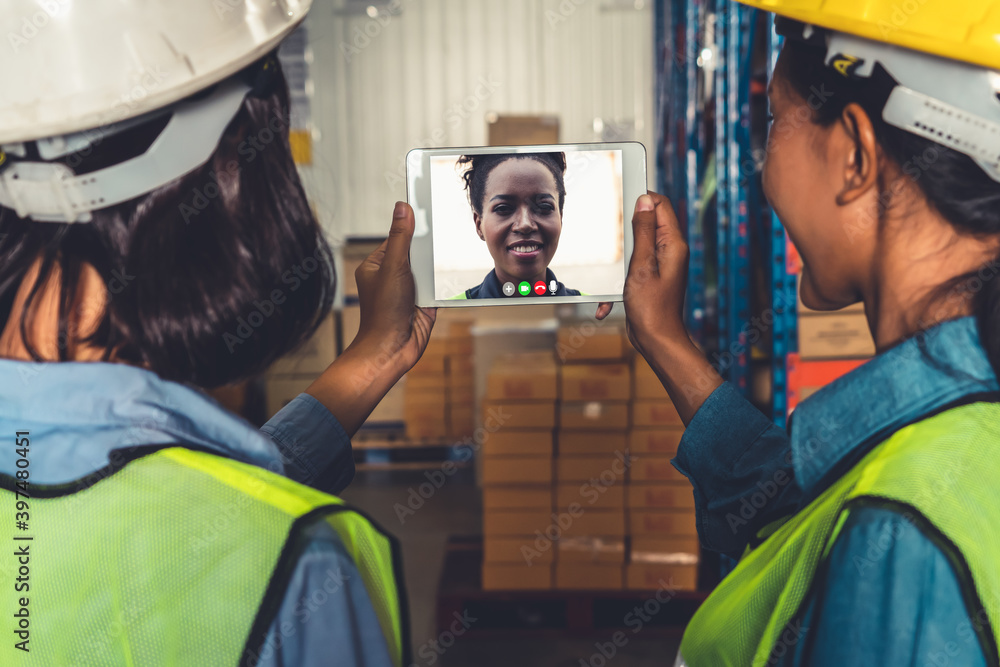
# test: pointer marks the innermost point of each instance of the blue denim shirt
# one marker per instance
(889, 596)
(78, 413)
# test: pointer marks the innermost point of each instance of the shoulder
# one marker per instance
(886, 594)
(325, 603)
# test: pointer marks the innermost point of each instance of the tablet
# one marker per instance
(505, 225)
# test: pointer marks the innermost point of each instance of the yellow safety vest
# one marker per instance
(179, 557)
(943, 470)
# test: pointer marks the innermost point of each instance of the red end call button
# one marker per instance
(540, 288)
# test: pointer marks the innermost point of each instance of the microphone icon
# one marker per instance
(553, 287)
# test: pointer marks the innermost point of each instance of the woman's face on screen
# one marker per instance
(520, 221)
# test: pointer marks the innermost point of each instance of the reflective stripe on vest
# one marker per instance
(180, 557)
(943, 470)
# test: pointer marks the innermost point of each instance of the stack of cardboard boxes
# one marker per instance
(519, 416)
(839, 334)
(425, 403)
(440, 388)
(461, 379)
(592, 461)
(660, 503)
(289, 376)
(603, 509)
(831, 343)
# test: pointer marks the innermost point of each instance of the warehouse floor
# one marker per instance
(456, 509)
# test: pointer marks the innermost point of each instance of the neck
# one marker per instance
(924, 272)
(43, 324)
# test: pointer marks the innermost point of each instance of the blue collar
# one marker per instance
(841, 422)
(77, 413)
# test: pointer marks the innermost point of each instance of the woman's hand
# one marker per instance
(394, 332)
(657, 275)
(657, 272)
(654, 306)
(390, 322)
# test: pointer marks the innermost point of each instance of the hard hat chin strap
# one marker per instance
(51, 192)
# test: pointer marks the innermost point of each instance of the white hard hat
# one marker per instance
(79, 74)
(70, 65)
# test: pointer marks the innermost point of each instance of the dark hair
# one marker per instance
(952, 182)
(211, 277)
(478, 168)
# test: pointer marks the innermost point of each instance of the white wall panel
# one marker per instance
(429, 74)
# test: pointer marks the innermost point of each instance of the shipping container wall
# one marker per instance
(392, 76)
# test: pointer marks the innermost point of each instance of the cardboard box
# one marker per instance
(590, 443)
(605, 415)
(589, 576)
(516, 523)
(591, 550)
(519, 130)
(425, 420)
(647, 412)
(653, 468)
(459, 346)
(589, 342)
(392, 407)
(457, 328)
(517, 471)
(280, 391)
(518, 550)
(512, 442)
(803, 310)
(461, 420)
(834, 336)
(661, 494)
(590, 522)
(314, 356)
(523, 376)
(650, 577)
(417, 396)
(659, 522)
(421, 384)
(430, 363)
(606, 470)
(506, 576)
(591, 496)
(645, 384)
(596, 382)
(663, 549)
(461, 386)
(350, 322)
(461, 367)
(517, 497)
(507, 414)
(662, 441)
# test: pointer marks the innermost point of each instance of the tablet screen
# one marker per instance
(515, 225)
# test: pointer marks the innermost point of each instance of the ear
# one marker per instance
(479, 224)
(860, 151)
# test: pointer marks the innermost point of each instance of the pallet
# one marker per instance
(390, 448)
(547, 613)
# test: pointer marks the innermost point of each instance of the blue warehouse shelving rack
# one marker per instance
(708, 127)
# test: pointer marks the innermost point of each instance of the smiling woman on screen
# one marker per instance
(517, 204)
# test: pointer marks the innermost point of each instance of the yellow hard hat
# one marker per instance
(967, 30)
(942, 61)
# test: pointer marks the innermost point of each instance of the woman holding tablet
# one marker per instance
(867, 534)
(517, 205)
